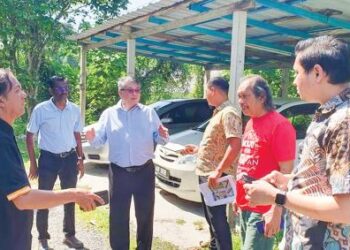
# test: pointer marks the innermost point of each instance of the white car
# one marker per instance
(176, 173)
(176, 114)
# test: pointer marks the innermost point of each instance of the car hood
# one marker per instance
(187, 137)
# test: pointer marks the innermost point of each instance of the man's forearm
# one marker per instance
(41, 199)
(30, 148)
(328, 208)
(79, 147)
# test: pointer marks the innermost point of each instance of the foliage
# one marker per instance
(30, 30)
(274, 78)
(198, 90)
(23, 149)
(159, 80)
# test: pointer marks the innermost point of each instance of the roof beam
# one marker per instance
(225, 10)
(171, 53)
(216, 55)
(339, 23)
(174, 46)
(195, 42)
(250, 42)
(256, 23)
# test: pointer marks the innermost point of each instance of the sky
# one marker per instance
(131, 6)
(135, 4)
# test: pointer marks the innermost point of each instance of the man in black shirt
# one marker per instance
(17, 199)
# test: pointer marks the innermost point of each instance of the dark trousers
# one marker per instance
(220, 234)
(51, 166)
(137, 182)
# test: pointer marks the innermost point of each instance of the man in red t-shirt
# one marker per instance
(268, 144)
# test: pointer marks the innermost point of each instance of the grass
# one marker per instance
(236, 240)
(180, 221)
(99, 220)
(198, 225)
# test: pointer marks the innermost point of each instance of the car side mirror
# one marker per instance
(166, 120)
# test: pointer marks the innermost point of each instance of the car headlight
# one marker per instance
(187, 159)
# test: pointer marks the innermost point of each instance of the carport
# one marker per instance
(218, 34)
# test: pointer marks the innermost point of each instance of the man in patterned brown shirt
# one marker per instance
(217, 155)
(318, 196)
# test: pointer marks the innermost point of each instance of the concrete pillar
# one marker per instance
(131, 57)
(239, 27)
(206, 79)
(82, 84)
(284, 82)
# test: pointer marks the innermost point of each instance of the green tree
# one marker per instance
(29, 29)
(159, 80)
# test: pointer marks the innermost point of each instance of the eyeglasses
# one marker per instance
(131, 91)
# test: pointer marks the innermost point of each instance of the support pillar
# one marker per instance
(82, 84)
(131, 57)
(239, 27)
(206, 79)
(284, 82)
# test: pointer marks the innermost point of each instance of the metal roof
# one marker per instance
(199, 32)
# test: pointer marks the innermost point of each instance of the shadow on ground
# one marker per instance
(188, 206)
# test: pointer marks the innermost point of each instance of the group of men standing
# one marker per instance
(224, 150)
(315, 193)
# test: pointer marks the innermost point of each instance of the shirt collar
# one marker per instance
(68, 106)
(119, 106)
(222, 106)
(5, 127)
(330, 106)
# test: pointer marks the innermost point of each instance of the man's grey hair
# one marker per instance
(123, 81)
(5, 81)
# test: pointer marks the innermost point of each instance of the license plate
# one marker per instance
(162, 172)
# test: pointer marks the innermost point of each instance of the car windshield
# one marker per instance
(158, 105)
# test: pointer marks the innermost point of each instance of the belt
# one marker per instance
(60, 155)
(132, 169)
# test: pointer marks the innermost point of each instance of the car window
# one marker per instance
(300, 116)
(158, 105)
(189, 113)
(202, 112)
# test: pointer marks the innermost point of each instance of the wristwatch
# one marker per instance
(281, 198)
(80, 158)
